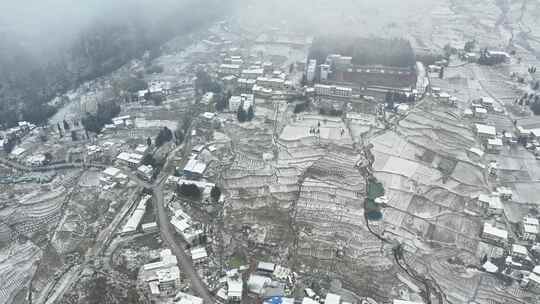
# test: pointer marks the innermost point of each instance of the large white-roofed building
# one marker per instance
(530, 228)
(136, 217)
(495, 234)
(485, 132)
(194, 168)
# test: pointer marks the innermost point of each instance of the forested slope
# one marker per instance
(28, 82)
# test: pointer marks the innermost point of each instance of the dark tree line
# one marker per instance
(164, 135)
(300, 107)
(105, 113)
(330, 112)
(393, 97)
(189, 190)
(215, 193)
(365, 51)
(222, 102)
(244, 115)
(204, 83)
(486, 59)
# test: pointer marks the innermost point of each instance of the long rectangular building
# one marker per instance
(330, 90)
(135, 219)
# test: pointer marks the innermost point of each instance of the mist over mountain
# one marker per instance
(50, 46)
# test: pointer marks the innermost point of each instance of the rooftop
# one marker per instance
(234, 287)
(198, 253)
(307, 300)
(494, 231)
(195, 166)
(266, 266)
(495, 142)
(519, 249)
(332, 298)
(184, 298)
(485, 129)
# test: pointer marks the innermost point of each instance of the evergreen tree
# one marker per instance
(241, 114)
(469, 45)
(74, 136)
(215, 193)
(390, 101)
(148, 141)
(179, 135)
(189, 190)
(48, 158)
(59, 129)
(250, 113)
(148, 160)
(303, 82)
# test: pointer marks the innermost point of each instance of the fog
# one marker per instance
(43, 27)
(356, 17)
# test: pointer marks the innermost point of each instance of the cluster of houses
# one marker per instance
(267, 281)
(162, 277)
(521, 252)
(9, 138)
(120, 122)
(134, 160)
(444, 97)
(190, 230)
(528, 133)
(252, 77)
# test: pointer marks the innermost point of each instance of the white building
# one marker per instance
(252, 73)
(480, 112)
(246, 84)
(406, 302)
(495, 234)
(519, 251)
(194, 168)
(307, 300)
(145, 172)
(199, 255)
(111, 175)
(330, 90)
(150, 227)
(266, 267)
(257, 283)
(184, 298)
(492, 203)
(36, 160)
(229, 69)
(311, 70)
(168, 280)
(332, 298)
(141, 149)
(135, 219)
(488, 102)
(184, 226)
(132, 160)
(530, 228)
(485, 132)
(235, 288)
(17, 153)
(494, 145)
(325, 71)
(272, 83)
(505, 193)
(244, 100)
